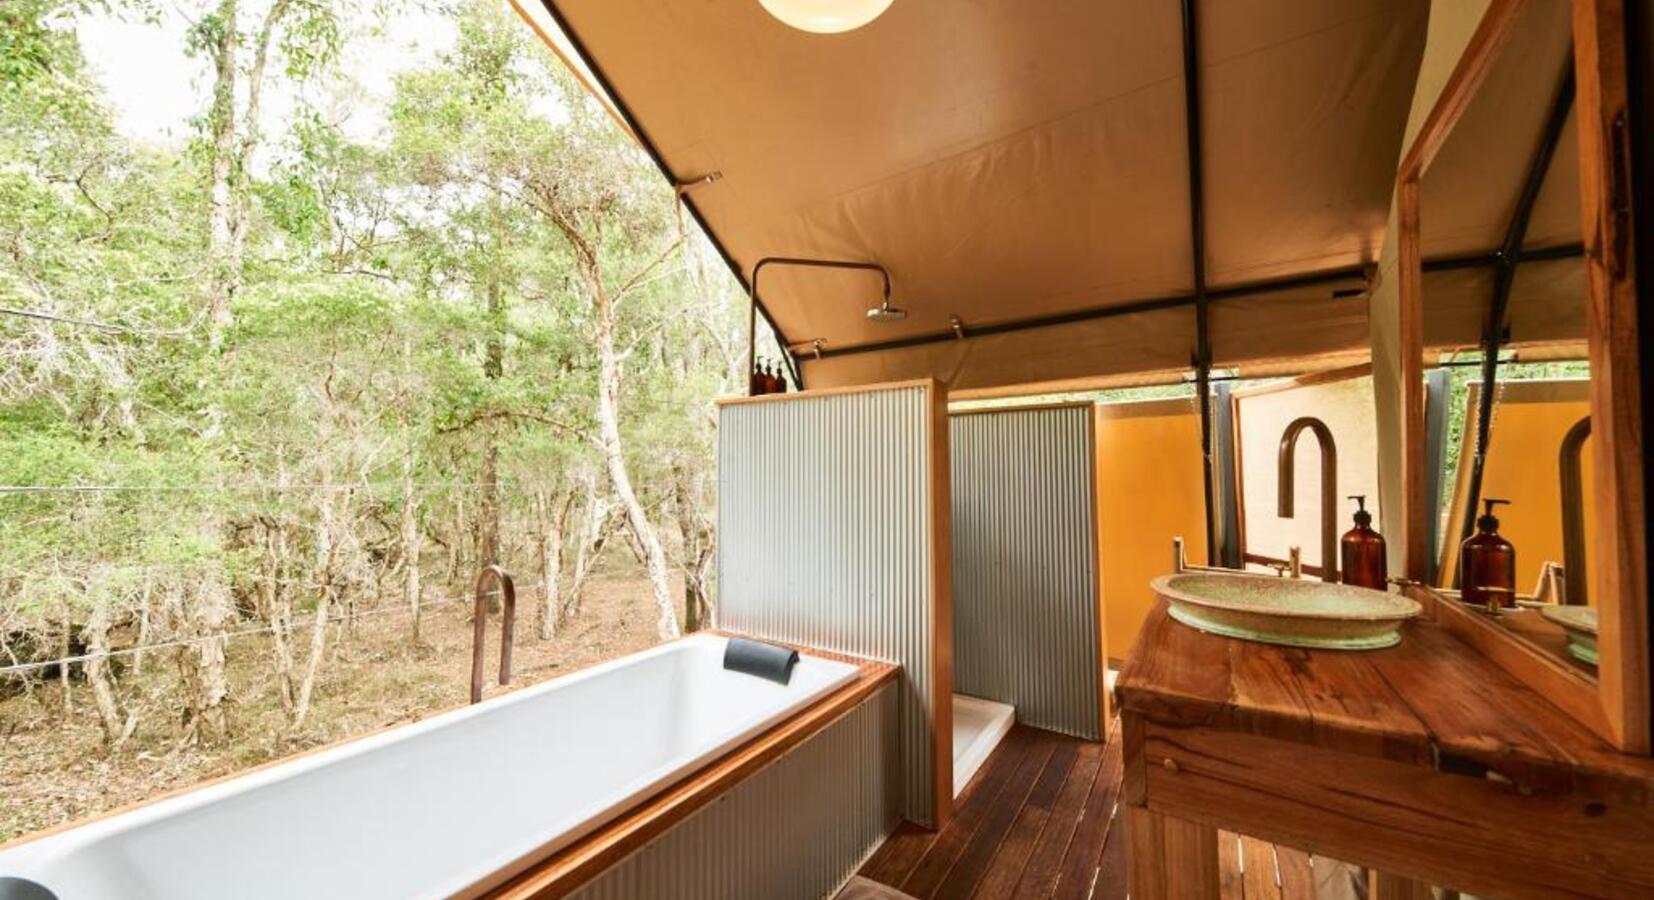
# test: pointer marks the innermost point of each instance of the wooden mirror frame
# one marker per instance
(1616, 703)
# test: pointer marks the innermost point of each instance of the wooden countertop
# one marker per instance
(1432, 701)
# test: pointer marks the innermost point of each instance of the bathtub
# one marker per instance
(435, 807)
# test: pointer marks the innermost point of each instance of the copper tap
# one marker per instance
(479, 626)
(1329, 487)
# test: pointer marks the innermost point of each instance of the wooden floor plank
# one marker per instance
(973, 858)
(895, 861)
(1005, 869)
(934, 866)
(1041, 820)
(1080, 864)
(1039, 876)
(1229, 867)
(1258, 861)
(900, 852)
(1297, 875)
(1110, 882)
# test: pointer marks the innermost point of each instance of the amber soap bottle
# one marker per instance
(1361, 552)
(1487, 563)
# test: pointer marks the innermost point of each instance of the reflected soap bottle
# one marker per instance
(1361, 553)
(1487, 563)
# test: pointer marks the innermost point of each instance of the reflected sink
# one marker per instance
(1292, 612)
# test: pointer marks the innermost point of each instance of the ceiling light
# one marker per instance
(826, 16)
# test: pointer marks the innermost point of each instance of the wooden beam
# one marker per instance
(1620, 580)
(1467, 831)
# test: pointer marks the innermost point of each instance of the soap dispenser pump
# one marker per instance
(1487, 563)
(1361, 552)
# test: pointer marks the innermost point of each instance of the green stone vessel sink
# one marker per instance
(1581, 624)
(1287, 611)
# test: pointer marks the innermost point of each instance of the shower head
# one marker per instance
(884, 312)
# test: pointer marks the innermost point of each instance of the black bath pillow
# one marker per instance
(757, 658)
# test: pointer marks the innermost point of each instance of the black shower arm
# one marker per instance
(752, 298)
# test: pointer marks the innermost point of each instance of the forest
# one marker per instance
(271, 398)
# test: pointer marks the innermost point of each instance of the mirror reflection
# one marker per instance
(1507, 412)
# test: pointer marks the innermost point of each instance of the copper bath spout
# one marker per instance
(479, 626)
(1329, 487)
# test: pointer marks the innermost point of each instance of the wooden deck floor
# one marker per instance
(1039, 820)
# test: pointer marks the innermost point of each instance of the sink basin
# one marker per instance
(1581, 624)
(1286, 611)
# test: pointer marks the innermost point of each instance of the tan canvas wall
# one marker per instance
(1150, 491)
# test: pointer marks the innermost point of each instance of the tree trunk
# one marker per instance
(412, 538)
(614, 456)
(327, 588)
(594, 535)
(115, 731)
(223, 268)
(554, 516)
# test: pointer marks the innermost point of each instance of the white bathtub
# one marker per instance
(431, 808)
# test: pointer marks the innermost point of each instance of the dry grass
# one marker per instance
(55, 769)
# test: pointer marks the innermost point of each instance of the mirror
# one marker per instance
(1504, 308)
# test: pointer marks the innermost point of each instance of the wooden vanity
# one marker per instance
(1424, 761)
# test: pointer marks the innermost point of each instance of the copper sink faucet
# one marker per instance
(1329, 487)
(479, 626)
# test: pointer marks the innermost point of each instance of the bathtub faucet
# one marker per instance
(479, 626)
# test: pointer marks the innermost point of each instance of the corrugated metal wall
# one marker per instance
(1024, 564)
(797, 828)
(824, 539)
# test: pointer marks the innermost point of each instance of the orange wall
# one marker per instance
(1149, 490)
(1522, 468)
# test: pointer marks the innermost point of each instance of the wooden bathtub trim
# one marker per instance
(573, 866)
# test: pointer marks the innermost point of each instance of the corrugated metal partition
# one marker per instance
(832, 533)
(797, 828)
(1026, 627)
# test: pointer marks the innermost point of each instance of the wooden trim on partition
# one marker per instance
(1028, 407)
(1093, 421)
(833, 391)
(1619, 579)
(1416, 510)
(941, 579)
(567, 870)
(1307, 380)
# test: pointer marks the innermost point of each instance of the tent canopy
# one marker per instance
(1471, 193)
(1026, 170)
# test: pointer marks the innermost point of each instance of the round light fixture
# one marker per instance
(826, 16)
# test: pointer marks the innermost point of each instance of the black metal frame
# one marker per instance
(1197, 241)
(1505, 261)
(754, 304)
(631, 121)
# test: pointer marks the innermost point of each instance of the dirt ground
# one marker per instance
(54, 769)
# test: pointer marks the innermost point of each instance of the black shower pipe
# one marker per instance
(752, 306)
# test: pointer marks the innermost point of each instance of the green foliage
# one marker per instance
(381, 279)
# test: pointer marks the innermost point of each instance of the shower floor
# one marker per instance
(978, 727)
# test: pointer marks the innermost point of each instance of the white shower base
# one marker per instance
(978, 727)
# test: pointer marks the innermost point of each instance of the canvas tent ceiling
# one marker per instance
(1010, 162)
